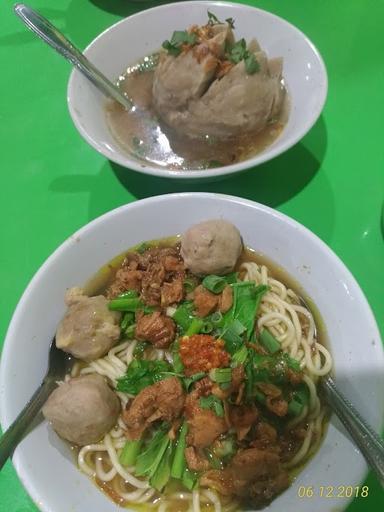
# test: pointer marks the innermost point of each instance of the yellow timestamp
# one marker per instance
(333, 491)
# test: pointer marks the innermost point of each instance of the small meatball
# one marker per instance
(83, 409)
(211, 247)
(89, 329)
(156, 328)
(163, 400)
(205, 301)
(226, 299)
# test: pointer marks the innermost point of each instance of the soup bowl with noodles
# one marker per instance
(199, 330)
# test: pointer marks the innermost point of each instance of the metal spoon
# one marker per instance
(365, 438)
(369, 443)
(58, 366)
(52, 36)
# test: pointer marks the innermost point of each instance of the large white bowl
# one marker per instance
(44, 462)
(132, 38)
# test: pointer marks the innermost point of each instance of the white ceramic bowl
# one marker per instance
(132, 38)
(44, 462)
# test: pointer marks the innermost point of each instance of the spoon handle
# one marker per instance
(369, 443)
(16, 431)
(52, 36)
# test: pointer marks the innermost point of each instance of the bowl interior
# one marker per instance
(354, 338)
(132, 38)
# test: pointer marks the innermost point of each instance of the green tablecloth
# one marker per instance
(52, 182)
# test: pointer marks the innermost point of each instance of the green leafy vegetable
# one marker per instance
(238, 52)
(188, 381)
(162, 473)
(130, 452)
(269, 342)
(142, 373)
(125, 304)
(232, 335)
(148, 460)
(179, 463)
(214, 20)
(240, 319)
(212, 403)
(179, 37)
(251, 64)
(189, 479)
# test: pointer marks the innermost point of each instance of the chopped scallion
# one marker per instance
(269, 342)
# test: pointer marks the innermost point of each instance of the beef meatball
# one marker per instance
(211, 247)
(83, 409)
(89, 329)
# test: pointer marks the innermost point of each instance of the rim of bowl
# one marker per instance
(264, 156)
(360, 469)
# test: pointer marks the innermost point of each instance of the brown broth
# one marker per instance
(144, 136)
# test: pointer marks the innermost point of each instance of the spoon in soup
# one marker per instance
(59, 364)
(54, 38)
(363, 435)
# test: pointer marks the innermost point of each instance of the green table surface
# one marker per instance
(52, 182)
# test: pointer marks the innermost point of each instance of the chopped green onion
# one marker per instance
(130, 452)
(125, 304)
(240, 356)
(295, 408)
(179, 463)
(127, 320)
(177, 362)
(207, 327)
(214, 284)
(216, 319)
(269, 342)
(130, 331)
(189, 285)
(221, 375)
(194, 327)
(129, 294)
(182, 316)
